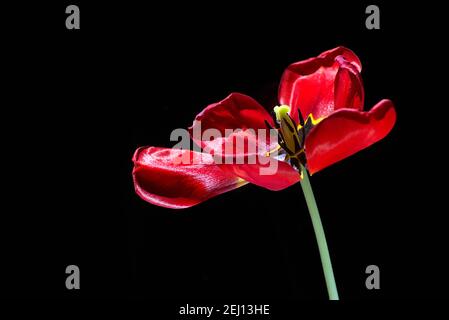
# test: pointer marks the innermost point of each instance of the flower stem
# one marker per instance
(320, 236)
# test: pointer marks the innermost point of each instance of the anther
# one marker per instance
(301, 119)
(302, 123)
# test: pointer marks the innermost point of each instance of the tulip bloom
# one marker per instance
(326, 91)
(320, 121)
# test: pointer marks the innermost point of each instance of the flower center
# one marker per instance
(291, 136)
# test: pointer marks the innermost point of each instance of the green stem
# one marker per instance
(320, 236)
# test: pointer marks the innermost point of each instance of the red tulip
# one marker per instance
(329, 93)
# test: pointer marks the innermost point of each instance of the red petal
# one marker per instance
(348, 86)
(237, 111)
(318, 86)
(176, 179)
(346, 132)
(281, 178)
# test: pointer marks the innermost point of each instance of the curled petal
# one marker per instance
(237, 112)
(177, 179)
(319, 85)
(348, 86)
(346, 132)
(234, 131)
(276, 175)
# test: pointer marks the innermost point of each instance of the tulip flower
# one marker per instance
(319, 121)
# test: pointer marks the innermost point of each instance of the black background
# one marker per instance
(77, 103)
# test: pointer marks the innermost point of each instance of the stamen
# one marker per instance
(301, 137)
(308, 125)
(302, 123)
(278, 147)
(275, 121)
(301, 119)
(268, 125)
